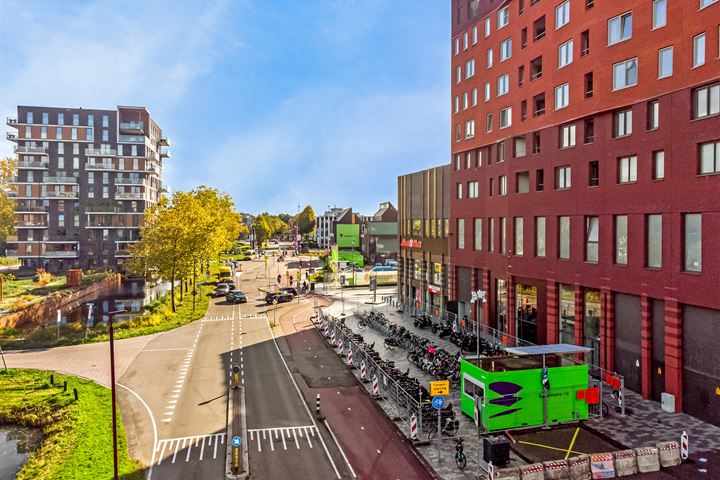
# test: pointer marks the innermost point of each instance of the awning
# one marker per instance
(559, 348)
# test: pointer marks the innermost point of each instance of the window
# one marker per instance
(61, 119)
(61, 163)
(565, 54)
(89, 135)
(459, 190)
(502, 184)
(73, 134)
(105, 136)
(470, 68)
(625, 74)
(653, 115)
(466, 100)
(487, 91)
(505, 49)
(659, 17)
(45, 118)
(474, 97)
(468, 159)
(491, 234)
(665, 62)
(520, 147)
(623, 123)
(91, 120)
(564, 238)
(539, 180)
(710, 157)
(503, 84)
(43, 132)
(456, 108)
(501, 151)
(658, 172)
(76, 120)
(693, 242)
(621, 239)
(503, 17)
(627, 169)
(503, 235)
(699, 50)
(536, 68)
(521, 75)
(584, 43)
(706, 101)
(505, 117)
(458, 74)
(588, 82)
(540, 236)
(105, 121)
(458, 132)
(562, 96)
(474, 35)
(456, 48)
(490, 187)
(539, 28)
(61, 220)
(523, 110)
(460, 233)
(470, 129)
(654, 241)
(523, 38)
(457, 162)
(620, 28)
(28, 132)
(487, 27)
(562, 14)
(477, 238)
(489, 57)
(562, 177)
(705, 3)
(536, 142)
(29, 117)
(519, 227)
(567, 136)
(593, 173)
(466, 41)
(473, 190)
(522, 182)
(61, 148)
(488, 122)
(592, 238)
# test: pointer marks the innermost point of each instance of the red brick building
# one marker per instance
(585, 195)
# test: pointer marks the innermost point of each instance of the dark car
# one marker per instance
(236, 296)
(221, 289)
(229, 283)
(291, 290)
(280, 297)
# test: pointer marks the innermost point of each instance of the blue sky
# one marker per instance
(277, 102)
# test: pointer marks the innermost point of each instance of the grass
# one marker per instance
(19, 294)
(77, 440)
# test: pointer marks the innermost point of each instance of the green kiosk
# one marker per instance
(528, 387)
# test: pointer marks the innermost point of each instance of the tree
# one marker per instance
(285, 218)
(305, 221)
(7, 204)
(266, 226)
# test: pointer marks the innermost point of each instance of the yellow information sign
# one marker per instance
(440, 387)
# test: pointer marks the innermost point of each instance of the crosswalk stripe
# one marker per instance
(177, 445)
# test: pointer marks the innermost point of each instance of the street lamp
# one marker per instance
(112, 385)
(87, 324)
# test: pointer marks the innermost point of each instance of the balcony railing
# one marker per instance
(31, 224)
(11, 136)
(132, 125)
(131, 138)
(99, 152)
(61, 254)
(164, 142)
(129, 181)
(129, 196)
(99, 166)
(11, 121)
(31, 209)
(67, 180)
(52, 194)
(164, 154)
(32, 164)
(27, 149)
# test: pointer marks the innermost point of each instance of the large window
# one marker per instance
(710, 157)
(693, 242)
(470, 68)
(502, 183)
(503, 84)
(625, 74)
(621, 239)
(706, 101)
(477, 238)
(562, 96)
(564, 237)
(505, 49)
(503, 17)
(654, 241)
(470, 129)
(565, 54)
(460, 233)
(665, 62)
(505, 117)
(658, 165)
(562, 14)
(562, 177)
(653, 115)
(503, 235)
(567, 136)
(705, 3)
(540, 236)
(620, 28)
(659, 18)
(567, 314)
(627, 169)
(519, 227)
(459, 190)
(473, 189)
(622, 123)
(491, 234)
(699, 50)
(592, 238)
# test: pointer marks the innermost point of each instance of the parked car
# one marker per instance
(229, 283)
(383, 269)
(221, 289)
(236, 296)
(291, 290)
(280, 296)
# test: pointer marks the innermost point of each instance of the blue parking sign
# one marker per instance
(438, 402)
(236, 441)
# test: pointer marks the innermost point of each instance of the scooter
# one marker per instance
(422, 321)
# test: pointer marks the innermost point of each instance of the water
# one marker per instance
(16, 444)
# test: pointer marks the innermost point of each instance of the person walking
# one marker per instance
(279, 278)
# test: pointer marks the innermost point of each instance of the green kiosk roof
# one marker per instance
(557, 348)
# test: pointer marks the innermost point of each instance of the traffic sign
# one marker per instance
(236, 441)
(373, 283)
(438, 402)
(439, 387)
(342, 280)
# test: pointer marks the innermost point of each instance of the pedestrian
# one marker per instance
(291, 280)
(279, 278)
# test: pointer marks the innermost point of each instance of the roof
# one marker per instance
(547, 349)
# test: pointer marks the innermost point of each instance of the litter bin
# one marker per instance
(496, 449)
(312, 286)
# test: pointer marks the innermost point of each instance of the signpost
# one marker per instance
(342, 293)
(236, 442)
(437, 403)
(439, 387)
(373, 287)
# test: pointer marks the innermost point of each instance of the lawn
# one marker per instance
(18, 294)
(77, 440)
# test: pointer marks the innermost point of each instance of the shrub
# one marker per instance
(42, 277)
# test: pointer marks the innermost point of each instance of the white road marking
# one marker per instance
(154, 425)
(178, 444)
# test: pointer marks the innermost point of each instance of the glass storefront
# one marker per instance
(567, 314)
(591, 324)
(526, 315)
(501, 304)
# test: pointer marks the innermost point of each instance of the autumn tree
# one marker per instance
(305, 221)
(7, 204)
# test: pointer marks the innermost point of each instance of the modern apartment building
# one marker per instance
(585, 162)
(84, 179)
(325, 225)
(379, 235)
(423, 231)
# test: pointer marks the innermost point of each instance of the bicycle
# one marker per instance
(460, 459)
(362, 323)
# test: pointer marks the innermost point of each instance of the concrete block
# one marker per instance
(512, 473)
(625, 463)
(669, 454)
(534, 471)
(579, 467)
(556, 470)
(647, 459)
(602, 465)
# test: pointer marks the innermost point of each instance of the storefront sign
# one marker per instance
(434, 289)
(479, 296)
(410, 243)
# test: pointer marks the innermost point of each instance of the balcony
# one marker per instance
(129, 181)
(101, 152)
(133, 127)
(32, 224)
(31, 209)
(164, 142)
(38, 164)
(12, 252)
(26, 149)
(60, 195)
(152, 168)
(99, 166)
(131, 139)
(11, 121)
(105, 209)
(11, 136)
(129, 196)
(62, 180)
(164, 154)
(61, 254)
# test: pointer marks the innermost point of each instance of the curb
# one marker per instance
(228, 452)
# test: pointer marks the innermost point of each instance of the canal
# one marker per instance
(16, 444)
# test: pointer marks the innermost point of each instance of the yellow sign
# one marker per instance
(440, 387)
(717, 391)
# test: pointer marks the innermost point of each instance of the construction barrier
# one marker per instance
(534, 471)
(363, 372)
(669, 454)
(340, 348)
(647, 459)
(625, 463)
(376, 387)
(511, 473)
(556, 470)
(413, 428)
(579, 467)
(350, 357)
(602, 465)
(684, 446)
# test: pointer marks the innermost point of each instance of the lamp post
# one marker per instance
(59, 320)
(87, 323)
(112, 385)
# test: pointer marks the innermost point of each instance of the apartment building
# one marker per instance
(325, 224)
(585, 162)
(84, 179)
(379, 235)
(423, 230)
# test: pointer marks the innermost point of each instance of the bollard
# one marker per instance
(65, 386)
(413, 428)
(376, 388)
(341, 346)
(602, 465)
(684, 446)
(52, 379)
(350, 357)
(556, 470)
(363, 372)
(75, 393)
(317, 404)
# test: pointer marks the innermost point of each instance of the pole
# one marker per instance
(3, 358)
(438, 437)
(113, 387)
(342, 296)
(59, 319)
(194, 292)
(545, 398)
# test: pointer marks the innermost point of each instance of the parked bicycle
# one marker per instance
(460, 459)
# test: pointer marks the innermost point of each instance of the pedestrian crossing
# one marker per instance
(285, 437)
(198, 447)
(229, 318)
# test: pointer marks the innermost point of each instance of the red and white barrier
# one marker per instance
(684, 449)
(350, 356)
(332, 338)
(413, 428)
(376, 387)
(341, 347)
(363, 371)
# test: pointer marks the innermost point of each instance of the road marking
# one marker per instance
(572, 444)
(154, 425)
(177, 445)
(261, 435)
(164, 349)
(342, 452)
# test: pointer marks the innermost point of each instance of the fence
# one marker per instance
(401, 404)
